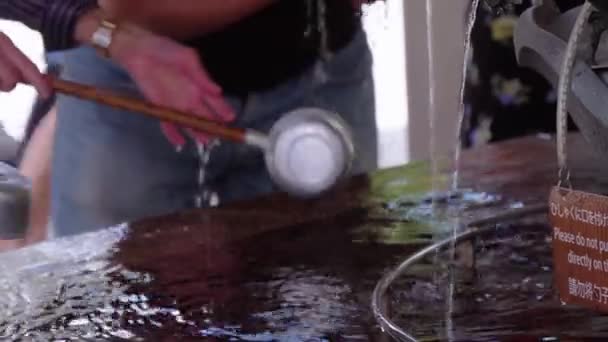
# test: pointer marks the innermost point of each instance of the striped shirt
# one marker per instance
(54, 19)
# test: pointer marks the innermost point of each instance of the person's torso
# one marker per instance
(276, 44)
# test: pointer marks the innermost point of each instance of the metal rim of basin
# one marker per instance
(473, 229)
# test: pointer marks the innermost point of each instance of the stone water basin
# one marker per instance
(277, 269)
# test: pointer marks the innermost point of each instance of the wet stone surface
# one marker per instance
(281, 269)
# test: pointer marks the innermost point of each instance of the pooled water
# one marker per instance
(512, 304)
(217, 275)
(67, 275)
(437, 207)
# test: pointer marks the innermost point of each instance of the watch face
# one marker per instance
(102, 37)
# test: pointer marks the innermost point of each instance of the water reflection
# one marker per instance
(52, 290)
(207, 275)
(506, 294)
(208, 279)
(436, 206)
(277, 269)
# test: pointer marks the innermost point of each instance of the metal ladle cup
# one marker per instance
(308, 151)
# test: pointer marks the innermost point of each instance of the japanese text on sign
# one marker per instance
(580, 247)
(594, 218)
(587, 290)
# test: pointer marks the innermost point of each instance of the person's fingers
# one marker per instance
(162, 91)
(179, 81)
(190, 101)
(153, 90)
(9, 75)
(198, 136)
(190, 63)
(29, 72)
(220, 108)
(212, 107)
(153, 86)
(210, 99)
(173, 134)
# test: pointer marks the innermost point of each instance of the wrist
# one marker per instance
(87, 25)
(95, 30)
(124, 37)
(109, 38)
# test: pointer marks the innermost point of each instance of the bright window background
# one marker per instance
(383, 22)
(15, 106)
(384, 25)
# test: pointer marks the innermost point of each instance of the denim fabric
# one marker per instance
(111, 166)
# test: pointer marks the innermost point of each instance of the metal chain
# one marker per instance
(564, 86)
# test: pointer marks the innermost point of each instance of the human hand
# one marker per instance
(16, 68)
(11, 245)
(171, 75)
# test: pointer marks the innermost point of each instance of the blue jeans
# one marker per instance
(111, 166)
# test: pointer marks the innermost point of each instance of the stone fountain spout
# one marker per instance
(540, 41)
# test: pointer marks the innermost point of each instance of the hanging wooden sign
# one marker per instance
(580, 247)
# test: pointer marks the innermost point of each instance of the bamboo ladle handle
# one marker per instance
(87, 92)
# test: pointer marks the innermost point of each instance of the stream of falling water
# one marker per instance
(435, 170)
(461, 110)
(454, 213)
(204, 196)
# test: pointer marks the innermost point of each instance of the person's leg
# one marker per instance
(32, 157)
(40, 108)
(9, 147)
(345, 84)
(342, 84)
(112, 166)
(35, 164)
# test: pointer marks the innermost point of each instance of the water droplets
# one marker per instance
(79, 322)
(205, 197)
(123, 334)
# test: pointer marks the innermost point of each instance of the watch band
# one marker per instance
(102, 37)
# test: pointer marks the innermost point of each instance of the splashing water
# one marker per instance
(204, 196)
(200, 149)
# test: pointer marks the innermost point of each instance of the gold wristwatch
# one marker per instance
(103, 36)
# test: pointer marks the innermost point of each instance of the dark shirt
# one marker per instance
(259, 52)
(275, 44)
(55, 19)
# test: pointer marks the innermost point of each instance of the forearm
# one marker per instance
(183, 19)
(55, 19)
